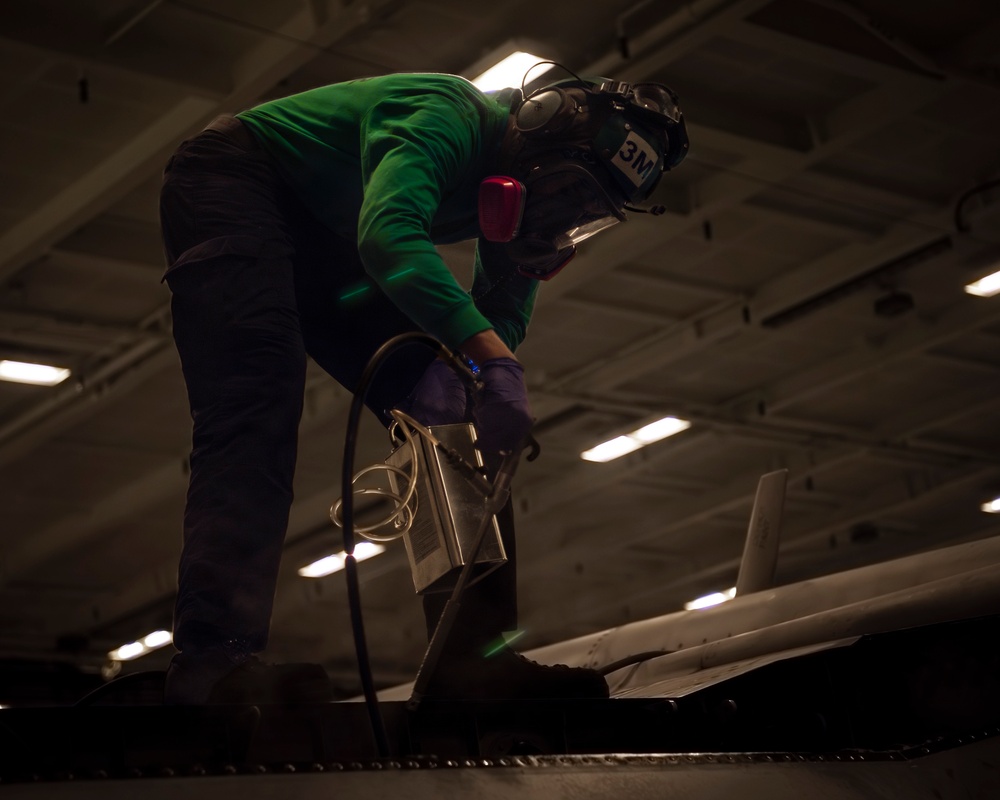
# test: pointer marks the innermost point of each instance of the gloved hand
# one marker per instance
(501, 412)
(439, 398)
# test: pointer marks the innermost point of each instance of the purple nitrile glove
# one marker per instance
(502, 413)
(439, 398)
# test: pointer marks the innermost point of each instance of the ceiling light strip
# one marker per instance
(34, 374)
(147, 644)
(509, 71)
(630, 442)
(336, 562)
(985, 287)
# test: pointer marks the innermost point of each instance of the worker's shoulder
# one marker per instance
(415, 80)
(426, 85)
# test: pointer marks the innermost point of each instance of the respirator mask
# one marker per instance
(543, 219)
(582, 153)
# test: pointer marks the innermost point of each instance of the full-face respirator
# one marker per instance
(582, 154)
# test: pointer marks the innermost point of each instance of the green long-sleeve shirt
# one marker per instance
(396, 162)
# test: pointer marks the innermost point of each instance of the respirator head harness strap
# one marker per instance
(577, 154)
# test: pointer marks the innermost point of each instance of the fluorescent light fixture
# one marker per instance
(334, 563)
(148, 643)
(985, 287)
(992, 507)
(711, 599)
(647, 434)
(510, 71)
(37, 374)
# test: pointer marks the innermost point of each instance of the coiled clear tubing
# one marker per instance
(399, 519)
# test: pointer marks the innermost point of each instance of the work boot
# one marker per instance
(212, 678)
(507, 675)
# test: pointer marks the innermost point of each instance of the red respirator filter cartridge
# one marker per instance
(501, 206)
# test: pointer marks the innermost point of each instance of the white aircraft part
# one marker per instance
(795, 602)
(963, 596)
(642, 680)
(760, 553)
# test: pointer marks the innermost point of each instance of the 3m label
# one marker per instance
(636, 158)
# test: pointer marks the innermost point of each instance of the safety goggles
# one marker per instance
(658, 103)
(657, 99)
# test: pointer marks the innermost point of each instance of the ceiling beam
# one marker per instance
(664, 280)
(671, 342)
(57, 332)
(826, 56)
(592, 307)
(129, 166)
(909, 339)
(772, 129)
(689, 26)
(805, 213)
(190, 74)
(94, 263)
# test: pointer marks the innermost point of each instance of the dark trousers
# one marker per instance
(257, 284)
